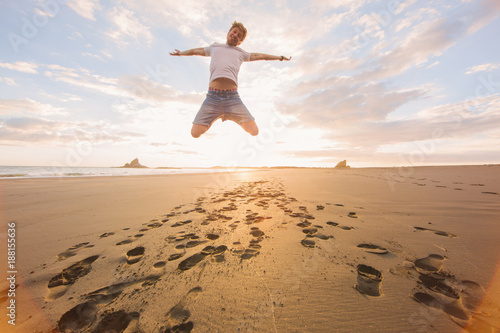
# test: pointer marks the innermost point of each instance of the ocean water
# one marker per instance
(9, 172)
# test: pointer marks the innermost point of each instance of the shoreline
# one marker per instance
(71, 175)
(206, 170)
(269, 270)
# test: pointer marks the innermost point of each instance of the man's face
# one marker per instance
(234, 36)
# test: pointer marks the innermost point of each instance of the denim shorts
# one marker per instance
(222, 104)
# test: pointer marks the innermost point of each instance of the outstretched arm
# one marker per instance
(200, 51)
(262, 56)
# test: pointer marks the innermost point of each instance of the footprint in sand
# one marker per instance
(134, 255)
(237, 249)
(181, 236)
(160, 264)
(83, 317)
(308, 242)
(254, 244)
(130, 240)
(154, 225)
(253, 247)
(322, 236)
(249, 253)
(304, 224)
(430, 264)
(369, 280)
(107, 234)
(195, 259)
(177, 317)
(59, 283)
(460, 300)
(441, 296)
(310, 231)
(193, 243)
(473, 294)
(372, 248)
(72, 251)
(212, 236)
(181, 223)
(219, 250)
(335, 224)
(437, 232)
(176, 256)
(118, 321)
(256, 232)
(79, 318)
(234, 225)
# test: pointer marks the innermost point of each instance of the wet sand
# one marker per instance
(277, 250)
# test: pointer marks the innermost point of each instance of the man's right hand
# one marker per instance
(200, 51)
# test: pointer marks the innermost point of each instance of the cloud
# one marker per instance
(413, 17)
(431, 39)
(482, 15)
(30, 130)
(366, 101)
(339, 101)
(353, 108)
(126, 26)
(26, 105)
(190, 17)
(83, 78)
(21, 66)
(85, 8)
(132, 134)
(144, 88)
(30, 123)
(427, 40)
(9, 81)
(130, 92)
(482, 68)
(184, 152)
(92, 55)
(459, 120)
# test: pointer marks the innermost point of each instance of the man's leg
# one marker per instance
(198, 130)
(250, 127)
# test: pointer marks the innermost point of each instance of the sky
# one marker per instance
(374, 82)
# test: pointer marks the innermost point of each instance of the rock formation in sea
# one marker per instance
(134, 164)
(342, 165)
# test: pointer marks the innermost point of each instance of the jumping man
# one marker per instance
(223, 100)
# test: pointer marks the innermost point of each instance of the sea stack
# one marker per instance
(134, 164)
(342, 165)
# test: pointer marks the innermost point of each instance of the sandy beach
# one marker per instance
(272, 250)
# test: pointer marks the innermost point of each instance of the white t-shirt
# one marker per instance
(226, 61)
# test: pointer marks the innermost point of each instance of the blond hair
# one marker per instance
(240, 26)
